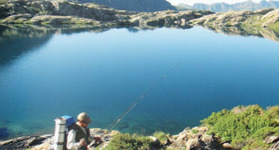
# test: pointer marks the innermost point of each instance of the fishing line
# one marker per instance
(140, 98)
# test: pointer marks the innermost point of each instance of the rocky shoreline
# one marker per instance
(187, 139)
(58, 13)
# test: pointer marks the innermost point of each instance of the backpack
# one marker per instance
(62, 125)
(69, 122)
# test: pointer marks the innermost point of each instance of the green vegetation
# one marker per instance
(131, 142)
(3, 1)
(138, 142)
(245, 127)
(275, 27)
(162, 137)
(195, 131)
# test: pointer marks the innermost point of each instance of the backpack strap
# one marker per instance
(74, 127)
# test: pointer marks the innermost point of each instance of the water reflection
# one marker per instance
(15, 40)
(246, 31)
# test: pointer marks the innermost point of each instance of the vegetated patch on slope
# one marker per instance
(245, 127)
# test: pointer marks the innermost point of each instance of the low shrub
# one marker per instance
(162, 137)
(131, 142)
(246, 128)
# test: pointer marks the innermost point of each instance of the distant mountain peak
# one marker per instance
(223, 7)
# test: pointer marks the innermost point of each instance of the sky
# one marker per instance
(191, 2)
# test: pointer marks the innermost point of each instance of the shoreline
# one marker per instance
(209, 135)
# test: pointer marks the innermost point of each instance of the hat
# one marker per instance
(84, 117)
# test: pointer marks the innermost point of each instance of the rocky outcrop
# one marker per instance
(46, 141)
(195, 138)
(24, 142)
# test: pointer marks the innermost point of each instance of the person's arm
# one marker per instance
(71, 142)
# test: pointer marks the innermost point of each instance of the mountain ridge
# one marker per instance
(132, 5)
(223, 7)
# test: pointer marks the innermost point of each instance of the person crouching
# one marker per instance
(79, 135)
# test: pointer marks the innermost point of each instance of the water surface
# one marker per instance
(44, 77)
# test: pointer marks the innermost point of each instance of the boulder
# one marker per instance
(227, 145)
(207, 139)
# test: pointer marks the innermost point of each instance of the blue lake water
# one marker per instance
(103, 73)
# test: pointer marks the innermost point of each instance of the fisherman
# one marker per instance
(79, 135)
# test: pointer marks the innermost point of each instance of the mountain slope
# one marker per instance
(223, 7)
(134, 5)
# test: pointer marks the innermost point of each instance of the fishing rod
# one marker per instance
(140, 98)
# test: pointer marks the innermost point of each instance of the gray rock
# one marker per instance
(207, 139)
(271, 139)
(193, 144)
(227, 145)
